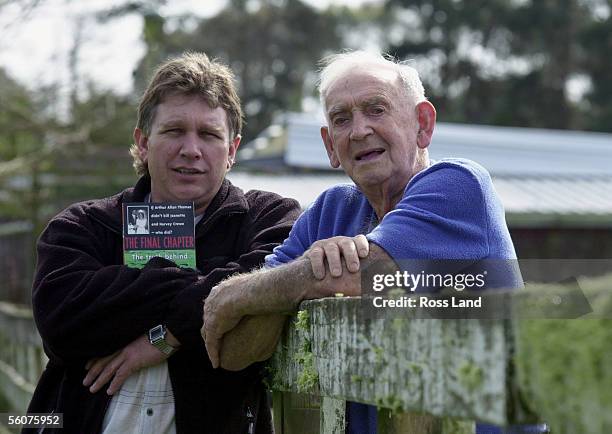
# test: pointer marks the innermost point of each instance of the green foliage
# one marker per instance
(47, 163)
(303, 321)
(564, 372)
(508, 63)
(271, 50)
(309, 377)
(564, 365)
(48, 160)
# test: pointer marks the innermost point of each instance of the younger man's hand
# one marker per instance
(117, 367)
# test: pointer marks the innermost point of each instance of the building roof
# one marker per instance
(502, 150)
(556, 200)
(528, 201)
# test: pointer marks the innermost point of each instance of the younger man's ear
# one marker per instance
(233, 148)
(426, 117)
(329, 147)
(142, 143)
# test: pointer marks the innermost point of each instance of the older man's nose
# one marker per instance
(360, 127)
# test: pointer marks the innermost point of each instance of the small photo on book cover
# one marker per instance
(158, 229)
(138, 219)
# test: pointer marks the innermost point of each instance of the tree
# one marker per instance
(497, 62)
(596, 40)
(271, 50)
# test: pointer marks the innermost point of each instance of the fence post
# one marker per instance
(332, 416)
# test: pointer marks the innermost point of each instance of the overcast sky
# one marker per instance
(35, 48)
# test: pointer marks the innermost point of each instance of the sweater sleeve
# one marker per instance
(271, 220)
(441, 216)
(85, 307)
(294, 246)
(340, 210)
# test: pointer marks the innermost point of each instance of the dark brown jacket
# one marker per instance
(87, 304)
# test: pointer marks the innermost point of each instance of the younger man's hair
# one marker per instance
(192, 73)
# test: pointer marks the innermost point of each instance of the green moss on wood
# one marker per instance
(309, 377)
(391, 402)
(397, 324)
(470, 375)
(379, 353)
(356, 378)
(303, 321)
(415, 368)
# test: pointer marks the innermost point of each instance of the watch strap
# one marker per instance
(157, 338)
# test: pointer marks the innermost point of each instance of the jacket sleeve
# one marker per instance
(271, 219)
(85, 307)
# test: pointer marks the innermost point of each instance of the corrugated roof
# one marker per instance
(525, 151)
(562, 200)
(529, 200)
(502, 150)
(571, 195)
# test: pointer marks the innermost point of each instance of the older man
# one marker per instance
(379, 126)
(105, 373)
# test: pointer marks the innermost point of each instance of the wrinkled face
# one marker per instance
(372, 129)
(188, 152)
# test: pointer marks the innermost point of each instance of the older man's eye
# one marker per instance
(377, 110)
(338, 121)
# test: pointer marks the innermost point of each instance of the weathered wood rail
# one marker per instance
(442, 375)
(424, 375)
(456, 370)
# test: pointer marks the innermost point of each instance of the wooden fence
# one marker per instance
(16, 261)
(424, 375)
(441, 375)
(22, 358)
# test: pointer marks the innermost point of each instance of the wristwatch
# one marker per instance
(157, 337)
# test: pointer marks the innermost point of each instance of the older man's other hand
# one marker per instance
(220, 316)
(334, 250)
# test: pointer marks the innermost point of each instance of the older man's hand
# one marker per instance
(220, 316)
(351, 249)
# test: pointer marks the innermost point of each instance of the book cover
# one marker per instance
(158, 229)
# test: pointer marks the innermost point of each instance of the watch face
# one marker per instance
(156, 333)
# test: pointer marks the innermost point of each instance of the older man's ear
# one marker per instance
(329, 147)
(426, 116)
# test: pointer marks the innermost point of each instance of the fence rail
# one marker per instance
(22, 358)
(442, 375)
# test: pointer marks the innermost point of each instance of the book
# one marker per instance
(158, 229)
